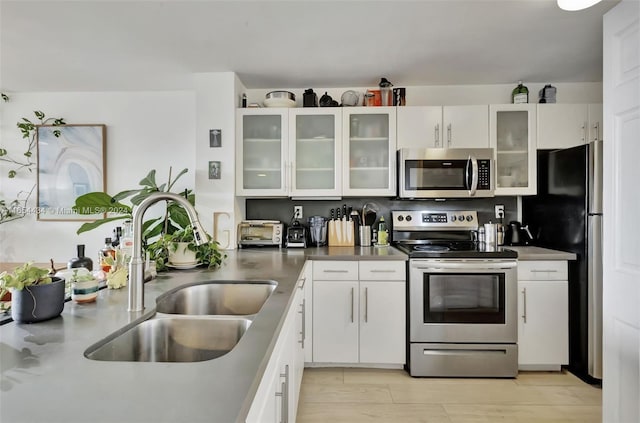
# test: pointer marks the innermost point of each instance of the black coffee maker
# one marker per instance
(296, 236)
(517, 234)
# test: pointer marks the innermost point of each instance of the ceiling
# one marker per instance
(105, 45)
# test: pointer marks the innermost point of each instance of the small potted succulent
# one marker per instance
(35, 294)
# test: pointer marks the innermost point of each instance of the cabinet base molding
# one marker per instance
(540, 367)
(355, 365)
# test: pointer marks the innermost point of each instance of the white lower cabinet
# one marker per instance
(543, 311)
(359, 312)
(276, 399)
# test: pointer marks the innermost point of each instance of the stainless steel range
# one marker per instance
(462, 297)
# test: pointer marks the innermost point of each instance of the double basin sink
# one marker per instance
(196, 322)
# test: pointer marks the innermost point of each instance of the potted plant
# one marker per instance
(179, 250)
(35, 295)
(159, 234)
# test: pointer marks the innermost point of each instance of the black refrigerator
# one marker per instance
(566, 215)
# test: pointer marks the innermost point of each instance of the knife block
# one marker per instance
(341, 233)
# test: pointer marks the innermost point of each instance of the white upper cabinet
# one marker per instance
(513, 138)
(315, 136)
(289, 152)
(594, 112)
(443, 126)
(466, 126)
(369, 151)
(261, 152)
(568, 125)
(419, 127)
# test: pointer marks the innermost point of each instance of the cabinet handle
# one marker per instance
(303, 332)
(285, 395)
(283, 403)
(335, 271)
(585, 129)
(303, 280)
(597, 128)
(449, 135)
(382, 271)
(352, 305)
(524, 305)
(366, 305)
(543, 271)
(437, 135)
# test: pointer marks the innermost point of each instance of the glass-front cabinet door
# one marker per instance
(261, 152)
(315, 151)
(512, 135)
(369, 151)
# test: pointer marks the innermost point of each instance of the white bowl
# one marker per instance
(279, 102)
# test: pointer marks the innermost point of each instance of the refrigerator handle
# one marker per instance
(595, 177)
(594, 290)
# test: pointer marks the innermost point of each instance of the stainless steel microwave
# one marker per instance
(445, 172)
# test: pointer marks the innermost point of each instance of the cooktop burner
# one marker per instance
(431, 248)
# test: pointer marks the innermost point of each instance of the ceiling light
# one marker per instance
(572, 5)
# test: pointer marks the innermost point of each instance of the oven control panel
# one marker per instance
(434, 220)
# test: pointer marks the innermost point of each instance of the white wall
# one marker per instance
(145, 130)
(215, 109)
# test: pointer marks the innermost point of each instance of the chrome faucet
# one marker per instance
(136, 265)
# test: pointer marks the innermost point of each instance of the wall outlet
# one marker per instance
(499, 211)
(297, 212)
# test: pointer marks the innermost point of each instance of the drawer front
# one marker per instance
(335, 270)
(548, 270)
(383, 270)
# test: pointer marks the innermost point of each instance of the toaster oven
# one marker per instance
(260, 233)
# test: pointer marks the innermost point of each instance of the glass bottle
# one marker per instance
(126, 242)
(80, 260)
(107, 251)
(383, 233)
(520, 94)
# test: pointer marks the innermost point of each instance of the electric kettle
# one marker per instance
(517, 234)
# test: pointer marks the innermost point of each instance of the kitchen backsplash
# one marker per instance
(282, 208)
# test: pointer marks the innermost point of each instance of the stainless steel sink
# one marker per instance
(236, 298)
(171, 340)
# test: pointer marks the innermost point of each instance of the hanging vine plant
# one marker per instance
(15, 209)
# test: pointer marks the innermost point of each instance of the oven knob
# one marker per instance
(454, 218)
(469, 218)
(408, 218)
(461, 218)
(400, 218)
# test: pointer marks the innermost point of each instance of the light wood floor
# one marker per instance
(336, 395)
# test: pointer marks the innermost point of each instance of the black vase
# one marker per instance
(81, 260)
(36, 303)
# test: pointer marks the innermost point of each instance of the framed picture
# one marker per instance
(214, 170)
(215, 138)
(69, 166)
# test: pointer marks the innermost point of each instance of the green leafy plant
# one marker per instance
(22, 277)
(159, 234)
(207, 254)
(14, 209)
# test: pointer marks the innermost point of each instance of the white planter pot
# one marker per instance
(181, 255)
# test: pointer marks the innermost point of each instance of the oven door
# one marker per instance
(463, 301)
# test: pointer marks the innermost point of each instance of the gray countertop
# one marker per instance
(538, 253)
(46, 378)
